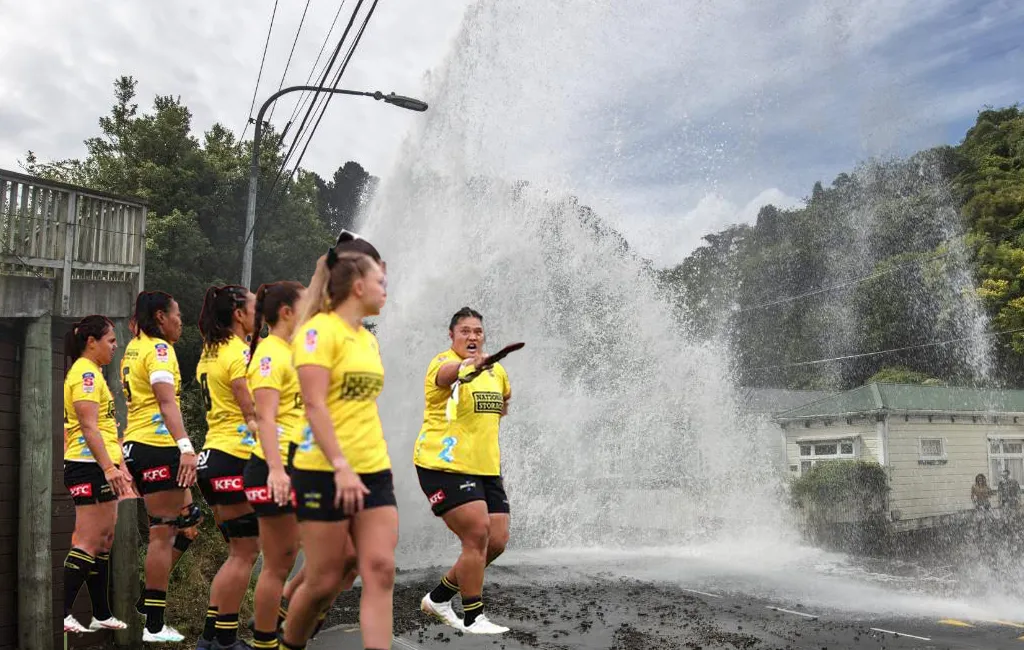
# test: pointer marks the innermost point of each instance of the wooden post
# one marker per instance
(70, 239)
(124, 556)
(35, 579)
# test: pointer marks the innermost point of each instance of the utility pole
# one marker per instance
(407, 103)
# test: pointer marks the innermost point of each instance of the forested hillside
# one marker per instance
(924, 255)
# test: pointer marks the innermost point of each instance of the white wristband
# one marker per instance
(185, 445)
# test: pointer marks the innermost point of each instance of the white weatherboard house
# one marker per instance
(931, 440)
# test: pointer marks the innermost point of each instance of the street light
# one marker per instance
(408, 103)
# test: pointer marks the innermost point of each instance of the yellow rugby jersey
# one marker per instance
(218, 367)
(357, 378)
(272, 367)
(146, 359)
(85, 383)
(469, 443)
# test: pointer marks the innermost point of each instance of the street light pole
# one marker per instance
(407, 103)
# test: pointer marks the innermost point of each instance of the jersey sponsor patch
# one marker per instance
(161, 352)
(227, 484)
(361, 386)
(488, 402)
(81, 490)
(265, 367)
(259, 495)
(311, 340)
(156, 474)
(88, 382)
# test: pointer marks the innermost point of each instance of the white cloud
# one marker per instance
(60, 64)
(670, 233)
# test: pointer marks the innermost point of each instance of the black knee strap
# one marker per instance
(190, 518)
(162, 521)
(182, 542)
(245, 526)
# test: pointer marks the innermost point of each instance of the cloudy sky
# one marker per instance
(672, 117)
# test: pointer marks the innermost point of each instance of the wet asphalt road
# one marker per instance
(608, 611)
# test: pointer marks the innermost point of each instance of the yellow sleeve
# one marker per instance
(159, 357)
(85, 386)
(506, 386)
(431, 390)
(267, 371)
(237, 360)
(314, 346)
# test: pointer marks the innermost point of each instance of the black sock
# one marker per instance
(319, 623)
(473, 607)
(227, 628)
(77, 566)
(264, 640)
(98, 583)
(444, 591)
(155, 603)
(210, 627)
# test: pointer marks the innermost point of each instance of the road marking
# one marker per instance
(909, 636)
(405, 644)
(702, 593)
(954, 622)
(789, 611)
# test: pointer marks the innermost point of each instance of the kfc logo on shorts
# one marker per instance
(310, 340)
(88, 382)
(436, 497)
(81, 490)
(258, 494)
(161, 351)
(155, 474)
(265, 367)
(227, 484)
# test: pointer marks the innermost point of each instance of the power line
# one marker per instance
(259, 75)
(872, 354)
(309, 111)
(928, 258)
(334, 85)
(337, 80)
(300, 102)
(288, 63)
(847, 283)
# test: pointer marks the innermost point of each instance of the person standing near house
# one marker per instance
(93, 470)
(458, 462)
(1009, 492)
(980, 493)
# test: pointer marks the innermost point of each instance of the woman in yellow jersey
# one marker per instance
(225, 323)
(342, 471)
(280, 419)
(157, 450)
(459, 466)
(92, 470)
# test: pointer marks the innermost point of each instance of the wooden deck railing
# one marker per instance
(64, 232)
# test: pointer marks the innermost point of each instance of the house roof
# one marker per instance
(910, 398)
(776, 400)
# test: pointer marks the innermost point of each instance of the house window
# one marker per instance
(1006, 454)
(932, 449)
(812, 453)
